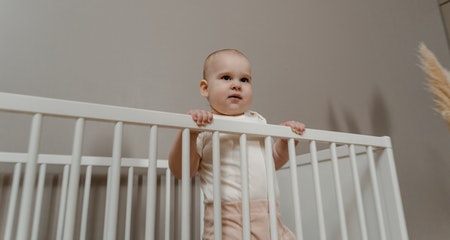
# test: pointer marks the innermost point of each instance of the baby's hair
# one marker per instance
(208, 58)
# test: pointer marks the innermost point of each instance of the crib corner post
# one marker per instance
(391, 189)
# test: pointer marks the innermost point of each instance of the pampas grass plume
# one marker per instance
(438, 82)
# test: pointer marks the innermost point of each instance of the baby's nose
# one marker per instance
(236, 86)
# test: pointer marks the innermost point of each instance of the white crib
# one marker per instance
(341, 186)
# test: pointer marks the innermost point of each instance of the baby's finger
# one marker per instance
(201, 117)
(296, 127)
(299, 128)
(204, 118)
(196, 116)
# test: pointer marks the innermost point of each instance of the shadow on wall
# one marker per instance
(379, 117)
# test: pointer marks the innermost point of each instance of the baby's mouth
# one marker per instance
(236, 96)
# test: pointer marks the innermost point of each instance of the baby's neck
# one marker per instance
(214, 111)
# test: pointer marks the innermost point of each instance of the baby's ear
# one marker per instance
(204, 88)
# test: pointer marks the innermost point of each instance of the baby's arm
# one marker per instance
(201, 118)
(280, 148)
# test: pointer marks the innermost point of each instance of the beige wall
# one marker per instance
(336, 65)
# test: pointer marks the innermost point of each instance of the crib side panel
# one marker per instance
(328, 191)
(54, 156)
(391, 211)
(51, 201)
(338, 197)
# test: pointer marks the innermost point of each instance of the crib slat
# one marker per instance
(245, 190)
(38, 202)
(185, 186)
(129, 203)
(294, 187)
(375, 186)
(357, 186)
(115, 182)
(107, 204)
(216, 186)
(29, 178)
(62, 202)
(317, 187)
(85, 208)
(201, 209)
(337, 184)
(72, 194)
(270, 186)
(168, 203)
(151, 184)
(13, 200)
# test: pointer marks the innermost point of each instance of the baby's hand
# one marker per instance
(201, 117)
(297, 127)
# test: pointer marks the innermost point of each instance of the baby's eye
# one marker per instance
(245, 80)
(226, 77)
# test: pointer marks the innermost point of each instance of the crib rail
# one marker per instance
(47, 106)
(343, 147)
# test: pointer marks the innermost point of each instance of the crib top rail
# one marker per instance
(74, 109)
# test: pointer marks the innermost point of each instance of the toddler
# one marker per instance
(227, 85)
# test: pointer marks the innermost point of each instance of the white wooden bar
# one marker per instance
(202, 212)
(376, 191)
(396, 214)
(294, 187)
(129, 203)
(85, 207)
(185, 186)
(107, 203)
(317, 188)
(13, 201)
(271, 187)
(62, 202)
(168, 203)
(28, 182)
(57, 107)
(115, 182)
(358, 194)
(337, 184)
(151, 184)
(72, 194)
(245, 188)
(38, 202)
(217, 205)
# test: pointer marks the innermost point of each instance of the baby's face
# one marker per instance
(228, 84)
